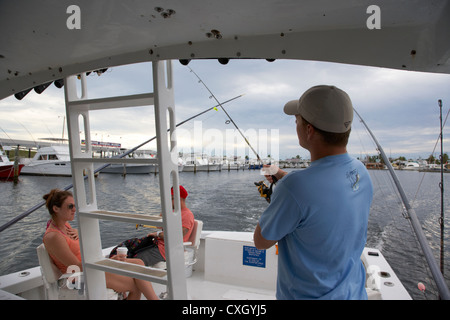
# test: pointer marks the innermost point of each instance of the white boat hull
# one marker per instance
(50, 168)
(201, 167)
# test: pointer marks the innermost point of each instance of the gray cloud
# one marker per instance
(400, 107)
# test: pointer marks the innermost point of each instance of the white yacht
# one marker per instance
(49, 161)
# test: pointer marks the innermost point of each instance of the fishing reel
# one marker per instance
(264, 191)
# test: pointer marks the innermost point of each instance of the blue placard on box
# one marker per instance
(253, 257)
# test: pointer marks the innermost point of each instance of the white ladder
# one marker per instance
(94, 263)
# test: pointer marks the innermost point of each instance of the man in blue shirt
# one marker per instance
(319, 215)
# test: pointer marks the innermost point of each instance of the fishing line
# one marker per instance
(384, 186)
(34, 140)
(230, 119)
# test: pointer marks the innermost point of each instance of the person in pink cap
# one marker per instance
(157, 253)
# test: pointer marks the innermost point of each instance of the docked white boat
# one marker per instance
(411, 166)
(200, 163)
(49, 161)
(413, 36)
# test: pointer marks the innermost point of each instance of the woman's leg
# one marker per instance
(135, 287)
(121, 283)
(144, 286)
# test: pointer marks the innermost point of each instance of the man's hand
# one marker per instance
(273, 170)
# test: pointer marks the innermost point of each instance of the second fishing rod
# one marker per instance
(229, 117)
(264, 190)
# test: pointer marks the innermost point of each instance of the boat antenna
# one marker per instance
(437, 275)
(441, 186)
(37, 206)
(231, 120)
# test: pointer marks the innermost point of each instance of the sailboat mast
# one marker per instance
(441, 186)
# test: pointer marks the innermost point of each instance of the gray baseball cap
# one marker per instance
(327, 108)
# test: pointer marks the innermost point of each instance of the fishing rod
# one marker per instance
(231, 120)
(437, 275)
(37, 206)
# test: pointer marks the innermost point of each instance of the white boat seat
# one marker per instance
(194, 238)
(55, 282)
(192, 244)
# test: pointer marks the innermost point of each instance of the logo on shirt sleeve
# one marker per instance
(353, 177)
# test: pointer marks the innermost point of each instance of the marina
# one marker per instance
(54, 160)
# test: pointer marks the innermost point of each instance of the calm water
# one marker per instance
(229, 201)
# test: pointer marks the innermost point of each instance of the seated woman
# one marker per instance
(62, 244)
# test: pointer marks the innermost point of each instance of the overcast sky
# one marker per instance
(401, 108)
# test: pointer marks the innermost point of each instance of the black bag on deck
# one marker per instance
(134, 245)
